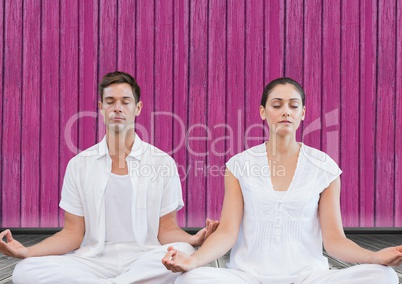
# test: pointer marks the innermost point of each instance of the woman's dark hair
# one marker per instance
(118, 77)
(281, 81)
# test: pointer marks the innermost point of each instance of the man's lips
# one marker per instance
(117, 118)
(285, 121)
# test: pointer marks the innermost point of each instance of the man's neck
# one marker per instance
(120, 144)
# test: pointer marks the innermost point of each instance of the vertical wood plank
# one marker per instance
(69, 86)
(385, 129)
(126, 36)
(331, 48)
(294, 47)
(350, 112)
(216, 106)
(274, 20)
(294, 40)
(88, 74)
(145, 65)
(254, 72)
(161, 118)
(11, 182)
(398, 121)
(236, 77)
(108, 39)
(2, 47)
(181, 13)
(367, 106)
(108, 36)
(50, 115)
(197, 132)
(274, 43)
(312, 72)
(30, 150)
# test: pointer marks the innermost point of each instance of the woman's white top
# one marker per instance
(280, 235)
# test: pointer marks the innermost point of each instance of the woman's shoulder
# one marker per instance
(313, 152)
(250, 153)
(320, 159)
(242, 164)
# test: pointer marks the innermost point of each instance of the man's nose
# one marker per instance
(117, 107)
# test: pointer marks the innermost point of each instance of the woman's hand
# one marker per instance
(178, 261)
(203, 234)
(391, 256)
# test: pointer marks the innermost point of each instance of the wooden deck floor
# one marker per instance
(370, 241)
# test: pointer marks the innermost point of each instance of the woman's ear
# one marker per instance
(262, 113)
(303, 113)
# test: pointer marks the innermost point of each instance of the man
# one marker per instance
(120, 199)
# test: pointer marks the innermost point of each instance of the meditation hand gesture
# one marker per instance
(203, 234)
(178, 261)
(391, 256)
(12, 247)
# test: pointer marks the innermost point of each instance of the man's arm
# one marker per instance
(170, 232)
(68, 239)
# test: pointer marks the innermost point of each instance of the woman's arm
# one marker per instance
(337, 244)
(221, 240)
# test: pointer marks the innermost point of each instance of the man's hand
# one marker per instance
(178, 261)
(203, 234)
(391, 256)
(12, 247)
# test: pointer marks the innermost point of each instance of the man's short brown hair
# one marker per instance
(119, 77)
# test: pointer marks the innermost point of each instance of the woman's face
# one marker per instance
(283, 110)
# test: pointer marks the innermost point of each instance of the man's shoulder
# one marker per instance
(153, 153)
(93, 152)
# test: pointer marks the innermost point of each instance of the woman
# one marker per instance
(281, 204)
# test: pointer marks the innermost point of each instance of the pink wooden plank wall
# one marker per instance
(202, 66)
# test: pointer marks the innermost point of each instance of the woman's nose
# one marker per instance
(285, 112)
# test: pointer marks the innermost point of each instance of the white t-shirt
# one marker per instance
(156, 191)
(280, 238)
(118, 199)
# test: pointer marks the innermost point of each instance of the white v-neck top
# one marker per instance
(280, 235)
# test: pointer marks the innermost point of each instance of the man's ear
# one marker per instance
(101, 109)
(138, 108)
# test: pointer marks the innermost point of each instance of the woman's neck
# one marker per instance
(282, 146)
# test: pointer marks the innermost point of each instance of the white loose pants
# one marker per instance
(118, 263)
(358, 274)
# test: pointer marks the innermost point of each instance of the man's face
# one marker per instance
(119, 108)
